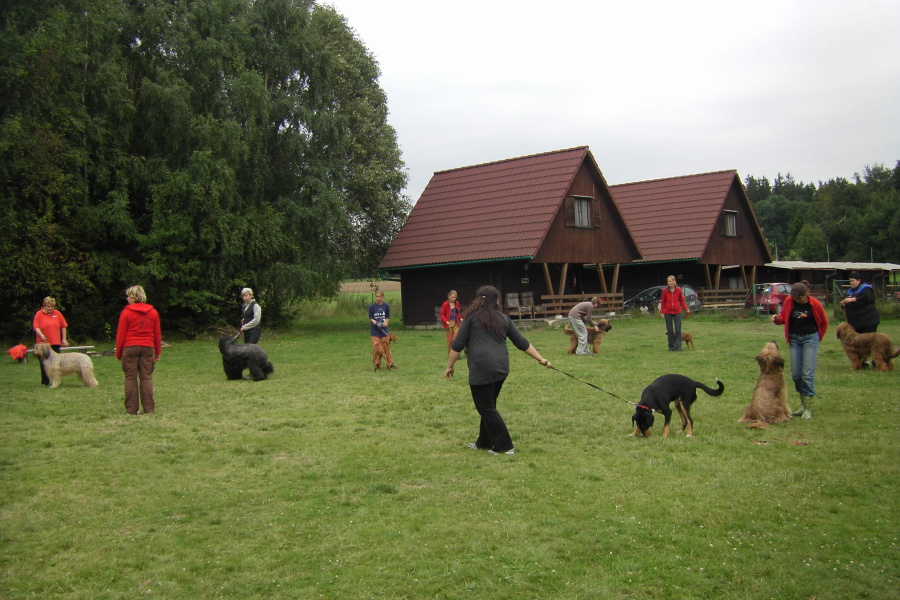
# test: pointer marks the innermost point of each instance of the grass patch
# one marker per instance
(332, 481)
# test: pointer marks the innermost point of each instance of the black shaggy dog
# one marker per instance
(658, 395)
(237, 357)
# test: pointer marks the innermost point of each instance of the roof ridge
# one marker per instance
(506, 160)
(734, 171)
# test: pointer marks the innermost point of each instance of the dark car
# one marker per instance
(768, 297)
(649, 298)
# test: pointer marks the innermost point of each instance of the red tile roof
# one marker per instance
(673, 219)
(492, 211)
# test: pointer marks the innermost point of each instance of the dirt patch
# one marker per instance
(367, 287)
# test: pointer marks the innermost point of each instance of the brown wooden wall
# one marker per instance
(748, 248)
(607, 243)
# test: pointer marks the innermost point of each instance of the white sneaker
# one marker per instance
(510, 451)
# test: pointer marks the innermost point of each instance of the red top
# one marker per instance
(445, 313)
(670, 303)
(138, 326)
(50, 325)
(784, 317)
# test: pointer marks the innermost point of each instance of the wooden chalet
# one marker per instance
(700, 228)
(535, 226)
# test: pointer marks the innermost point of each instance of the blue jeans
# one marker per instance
(804, 353)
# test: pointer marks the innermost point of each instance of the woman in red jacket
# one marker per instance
(805, 324)
(138, 347)
(671, 301)
(451, 317)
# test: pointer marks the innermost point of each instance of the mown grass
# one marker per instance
(332, 481)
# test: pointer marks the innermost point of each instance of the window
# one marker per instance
(730, 223)
(582, 212)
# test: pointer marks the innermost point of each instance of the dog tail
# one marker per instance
(895, 353)
(268, 369)
(711, 391)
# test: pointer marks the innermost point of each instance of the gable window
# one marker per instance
(582, 212)
(730, 223)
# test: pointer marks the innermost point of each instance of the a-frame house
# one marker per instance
(699, 227)
(544, 224)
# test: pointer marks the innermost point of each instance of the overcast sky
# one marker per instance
(655, 88)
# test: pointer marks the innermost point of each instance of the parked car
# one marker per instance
(771, 297)
(649, 298)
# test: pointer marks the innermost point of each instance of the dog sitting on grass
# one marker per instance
(237, 357)
(769, 401)
(57, 365)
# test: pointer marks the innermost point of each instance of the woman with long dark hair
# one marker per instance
(482, 334)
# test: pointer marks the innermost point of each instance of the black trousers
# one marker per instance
(251, 336)
(492, 432)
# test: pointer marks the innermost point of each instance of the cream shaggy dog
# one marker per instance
(57, 365)
(769, 402)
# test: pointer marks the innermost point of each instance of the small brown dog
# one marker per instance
(859, 347)
(769, 402)
(383, 350)
(57, 365)
(595, 338)
(688, 340)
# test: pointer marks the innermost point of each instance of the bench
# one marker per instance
(723, 299)
(561, 304)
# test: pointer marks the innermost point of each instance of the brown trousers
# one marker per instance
(137, 361)
(452, 328)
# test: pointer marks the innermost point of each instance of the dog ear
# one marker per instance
(778, 362)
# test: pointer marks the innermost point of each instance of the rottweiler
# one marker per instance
(658, 395)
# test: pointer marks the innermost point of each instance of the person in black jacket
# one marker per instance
(859, 306)
(251, 315)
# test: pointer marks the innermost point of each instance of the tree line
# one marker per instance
(839, 220)
(193, 148)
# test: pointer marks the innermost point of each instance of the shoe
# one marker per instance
(472, 446)
(510, 451)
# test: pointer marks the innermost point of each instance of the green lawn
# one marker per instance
(332, 481)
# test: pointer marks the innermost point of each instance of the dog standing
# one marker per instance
(383, 350)
(663, 391)
(688, 340)
(237, 357)
(56, 365)
(769, 401)
(859, 347)
(595, 338)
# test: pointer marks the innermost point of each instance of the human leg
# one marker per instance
(670, 330)
(804, 352)
(581, 333)
(676, 326)
(130, 359)
(492, 431)
(146, 365)
(251, 336)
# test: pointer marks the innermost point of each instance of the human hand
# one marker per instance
(448, 373)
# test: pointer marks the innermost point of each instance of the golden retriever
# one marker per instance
(769, 402)
(859, 347)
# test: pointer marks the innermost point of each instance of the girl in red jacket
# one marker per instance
(451, 317)
(805, 324)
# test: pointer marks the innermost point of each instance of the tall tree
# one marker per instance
(192, 147)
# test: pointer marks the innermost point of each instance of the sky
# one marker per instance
(654, 88)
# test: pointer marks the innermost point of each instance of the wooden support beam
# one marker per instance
(562, 279)
(602, 278)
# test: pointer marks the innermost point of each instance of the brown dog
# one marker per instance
(688, 340)
(383, 350)
(859, 347)
(769, 401)
(595, 338)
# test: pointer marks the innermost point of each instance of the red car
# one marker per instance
(768, 296)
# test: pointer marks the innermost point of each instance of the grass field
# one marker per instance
(332, 481)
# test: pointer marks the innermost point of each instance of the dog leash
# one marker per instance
(595, 387)
(783, 439)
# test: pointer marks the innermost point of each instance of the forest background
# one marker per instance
(199, 147)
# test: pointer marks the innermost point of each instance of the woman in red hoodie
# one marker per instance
(138, 347)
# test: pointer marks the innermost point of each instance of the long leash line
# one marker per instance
(594, 386)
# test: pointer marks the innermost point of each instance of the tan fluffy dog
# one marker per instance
(859, 347)
(595, 338)
(383, 350)
(688, 340)
(769, 402)
(56, 365)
